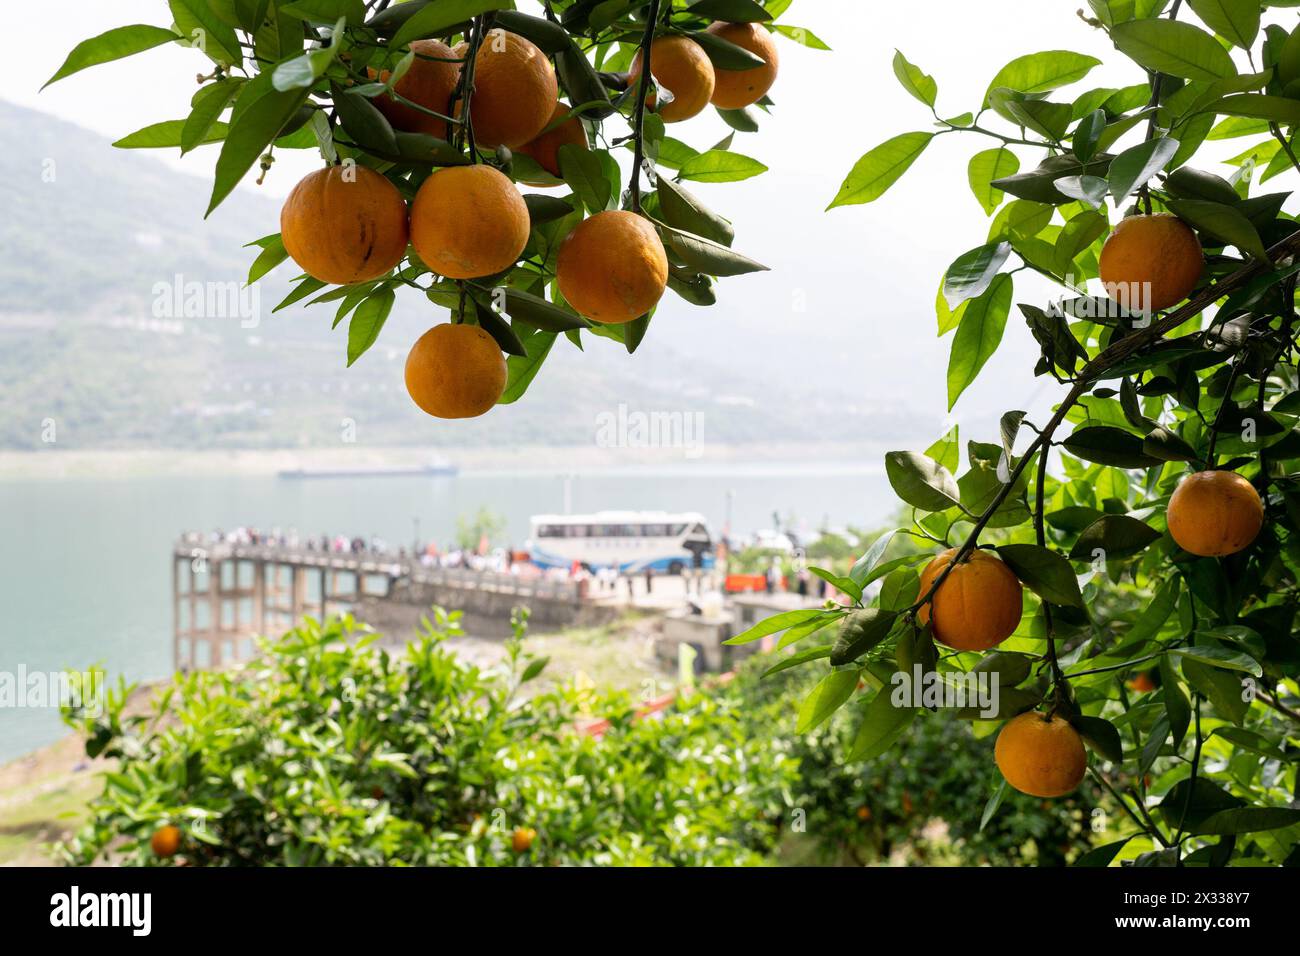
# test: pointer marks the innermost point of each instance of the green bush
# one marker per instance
(330, 751)
(938, 773)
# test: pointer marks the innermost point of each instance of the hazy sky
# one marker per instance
(851, 295)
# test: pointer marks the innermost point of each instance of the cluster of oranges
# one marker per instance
(348, 224)
(1148, 263)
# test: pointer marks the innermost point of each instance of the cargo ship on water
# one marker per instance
(435, 468)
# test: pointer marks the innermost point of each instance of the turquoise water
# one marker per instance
(86, 563)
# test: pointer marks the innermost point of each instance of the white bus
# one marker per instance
(627, 541)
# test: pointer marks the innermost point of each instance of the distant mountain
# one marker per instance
(99, 248)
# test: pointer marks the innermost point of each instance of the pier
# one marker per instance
(225, 595)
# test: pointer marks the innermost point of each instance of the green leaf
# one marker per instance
(209, 103)
(437, 18)
(260, 112)
(880, 168)
(198, 22)
(272, 254)
(708, 257)
(1102, 855)
(720, 166)
(550, 37)
(916, 82)
(775, 623)
(681, 210)
(1133, 167)
(167, 134)
(113, 45)
(1044, 572)
(803, 657)
(986, 166)
(882, 724)
(1175, 48)
(1119, 536)
(991, 805)
(1260, 106)
(802, 36)
(1221, 688)
(1225, 223)
(972, 272)
(921, 481)
(367, 321)
(830, 694)
(326, 11)
(860, 632)
(865, 564)
(521, 370)
(1235, 20)
(1177, 707)
(1040, 72)
(1107, 445)
(364, 123)
(1247, 820)
(525, 307)
(732, 11)
(724, 54)
(592, 174)
(978, 335)
(1101, 735)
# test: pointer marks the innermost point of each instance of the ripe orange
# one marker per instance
(455, 371)
(545, 149)
(1039, 756)
(1215, 513)
(681, 66)
(979, 604)
(514, 90)
(522, 839)
(165, 841)
(1142, 683)
(344, 224)
(612, 268)
(430, 81)
(469, 221)
(864, 813)
(736, 89)
(1151, 262)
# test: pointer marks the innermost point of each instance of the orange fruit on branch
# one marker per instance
(545, 149)
(1040, 756)
(1151, 262)
(681, 66)
(736, 89)
(344, 224)
(1142, 683)
(166, 841)
(514, 90)
(430, 82)
(469, 221)
(977, 606)
(1215, 513)
(455, 371)
(612, 268)
(522, 839)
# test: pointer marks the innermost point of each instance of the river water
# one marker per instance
(85, 563)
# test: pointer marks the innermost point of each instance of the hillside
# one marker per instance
(96, 241)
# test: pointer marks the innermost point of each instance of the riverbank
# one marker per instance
(126, 463)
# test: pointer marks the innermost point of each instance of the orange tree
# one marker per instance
(445, 105)
(1139, 594)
